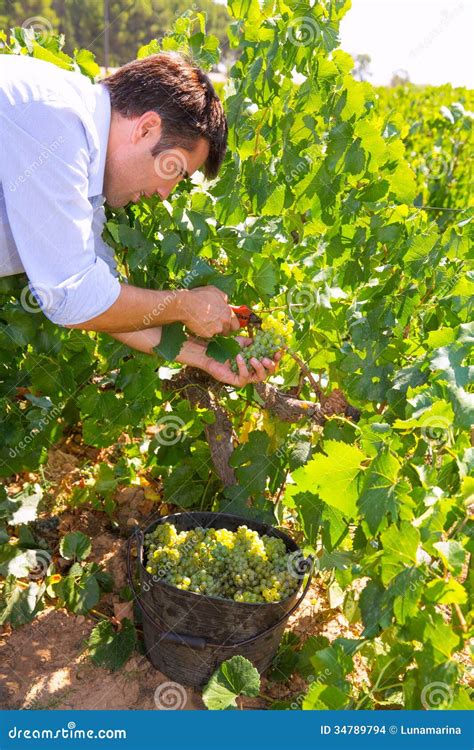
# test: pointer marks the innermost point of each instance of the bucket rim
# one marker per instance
(206, 597)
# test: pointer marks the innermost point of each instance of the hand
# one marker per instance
(205, 311)
(194, 353)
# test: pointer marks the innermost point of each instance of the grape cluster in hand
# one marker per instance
(267, 340)
(240, 565)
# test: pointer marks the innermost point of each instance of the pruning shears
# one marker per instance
(246, 316)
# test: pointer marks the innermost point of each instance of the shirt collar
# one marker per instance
(101, 116)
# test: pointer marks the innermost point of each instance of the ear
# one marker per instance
(147, 126)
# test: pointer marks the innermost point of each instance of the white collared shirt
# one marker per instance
(54, 128)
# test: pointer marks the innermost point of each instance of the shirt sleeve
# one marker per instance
(44, 170)
(102, 250)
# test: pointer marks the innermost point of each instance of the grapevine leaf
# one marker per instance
(172, 339)
(375, 608)
(252, 463)
(445, 592)
(400, 546)
(323, 697)
(110, 648)
(452, 554)
(382, 493)
(75, 546)
(333, 476)
(79, 593)
(19, 605)
(222, 348)
(236, 676)
(22, 507)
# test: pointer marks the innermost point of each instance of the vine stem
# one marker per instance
(460, 615)
(306, 371)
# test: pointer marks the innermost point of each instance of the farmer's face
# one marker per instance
(131, 172)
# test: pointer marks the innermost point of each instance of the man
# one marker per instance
(66, 146)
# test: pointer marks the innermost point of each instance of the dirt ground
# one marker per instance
(45, 665)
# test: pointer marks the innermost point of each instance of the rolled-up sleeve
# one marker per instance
(45, 173)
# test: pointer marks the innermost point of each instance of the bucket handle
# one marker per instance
(195, 641)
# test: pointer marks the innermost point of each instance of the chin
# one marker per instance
(115, 202)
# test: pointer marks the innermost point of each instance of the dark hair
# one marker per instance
(183, 96)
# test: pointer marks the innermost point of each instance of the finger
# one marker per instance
(243, 340)
(243, 371)
(258, 367)
(269, 364)
(234, 322)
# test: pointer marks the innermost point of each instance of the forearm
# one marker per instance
(142, 341)
(138, 309)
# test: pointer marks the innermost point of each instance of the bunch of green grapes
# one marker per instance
(240, 565)
(268, 339)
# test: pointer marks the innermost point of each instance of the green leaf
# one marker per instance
(183, 486)
(375, 608)
(236, 676)
(75, 546)
(19, 605)
(173, 337)
(420, 247)
(374, 192)
(110, 648)
(400, 546)
(438, 639)
(445, 592)
(80, 593)
(323, 697)
(452, 554)
(331, 666)
(236, 500)
(263, 276)
(252, 463)
(22, 507)
(87, 63)
(382, 493)
(333, 476)
(222, 348)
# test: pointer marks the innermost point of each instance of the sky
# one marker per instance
(431, 39)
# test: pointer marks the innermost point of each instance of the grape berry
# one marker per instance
(267, 340)
(241, 565)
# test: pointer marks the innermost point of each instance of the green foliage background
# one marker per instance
(132, 24)
(354, 203)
